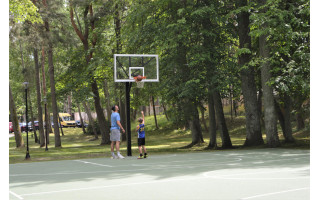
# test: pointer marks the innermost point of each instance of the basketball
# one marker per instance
(139, 78)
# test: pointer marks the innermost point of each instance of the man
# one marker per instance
(115, 132)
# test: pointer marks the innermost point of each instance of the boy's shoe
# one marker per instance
(146, 156)
(114, 157)
(140, 157)
(120, 156)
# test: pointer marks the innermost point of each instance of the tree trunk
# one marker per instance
(40, 115)
(105, 137)
(231, 103)
(165, 111)
(270, 116)
(212, 123)
(225, 137)
(300, 121)
(202, 109)
(30, 104)
(107, 96)
(253, 128)
(154, 112)
(280, 117)
(57, 141)
(69, 99)
(287, 119)
(15, 122)
(81, 120)
(91, 121)
(32, 120)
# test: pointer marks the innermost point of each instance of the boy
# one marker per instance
(141, 137)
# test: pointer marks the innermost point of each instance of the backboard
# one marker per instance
(126, 66)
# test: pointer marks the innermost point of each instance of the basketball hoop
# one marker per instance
(139, 81)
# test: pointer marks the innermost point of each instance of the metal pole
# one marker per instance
(26, 91)
(128, 125)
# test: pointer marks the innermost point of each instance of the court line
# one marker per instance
(86, 162)
(110, 186)
(154, 167)
(254, 173)
(273, 193)
(16, 195)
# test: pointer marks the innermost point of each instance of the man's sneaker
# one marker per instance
(140, 157)
(146, 156)
(114, 157)
(120, 156)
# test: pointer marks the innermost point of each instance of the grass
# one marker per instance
(166, 139)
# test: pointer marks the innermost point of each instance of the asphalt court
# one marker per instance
(263, 174)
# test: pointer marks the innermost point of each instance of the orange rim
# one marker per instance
(136, 77)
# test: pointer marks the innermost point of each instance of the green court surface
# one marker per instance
(263, 174)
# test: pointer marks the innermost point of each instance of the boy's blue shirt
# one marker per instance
(141, 133)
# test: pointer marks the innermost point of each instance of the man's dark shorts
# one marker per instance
(141, 141)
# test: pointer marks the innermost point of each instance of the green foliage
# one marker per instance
(24, 10)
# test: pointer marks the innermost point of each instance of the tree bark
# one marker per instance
(81, 120)
(57, 139)
(15, 122)
(225, 137)
(154, 112)
(107, 96)
(202, 109)
(40, 115)
(91, 121)
(287, 119)
(165, 111)
(52, 80)
(32, 120)
(212, 123)
(270, 116)
(253, 128)
(105, 137)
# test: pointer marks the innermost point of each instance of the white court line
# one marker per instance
(273, 193)
(206, 174)
(86, 162)
(154, 167)
(109, 186)
(16, 195)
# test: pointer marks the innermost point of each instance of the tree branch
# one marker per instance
(82, 38)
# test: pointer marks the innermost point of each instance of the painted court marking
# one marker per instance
(86, 162)
(237, 159)
(14, 194)
(273, 193)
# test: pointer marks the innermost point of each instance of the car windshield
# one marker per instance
(67, 118)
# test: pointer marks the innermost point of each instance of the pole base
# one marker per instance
(28, 156)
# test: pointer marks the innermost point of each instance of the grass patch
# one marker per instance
(166, 139)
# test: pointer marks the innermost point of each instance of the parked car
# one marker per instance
(79, 125)
(36, 125)
(23, 126)
(10, 127)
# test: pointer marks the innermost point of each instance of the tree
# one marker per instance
(270, 116)
(84, 37)
(15, 122)
(254, 136)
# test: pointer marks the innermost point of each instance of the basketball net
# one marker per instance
(140, 84)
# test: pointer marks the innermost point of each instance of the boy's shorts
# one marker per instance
(141, 141)
(115, 135)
